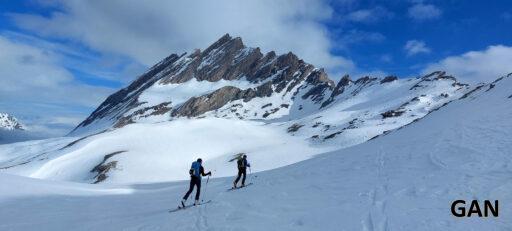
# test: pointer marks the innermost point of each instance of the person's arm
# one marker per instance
(202, 172)
(247, 164)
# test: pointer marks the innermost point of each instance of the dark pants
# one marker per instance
(241, 171)
(194, 180)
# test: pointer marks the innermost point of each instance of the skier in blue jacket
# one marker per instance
(196, 171)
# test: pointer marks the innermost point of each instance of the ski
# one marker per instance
(188, 206)
(233, 188)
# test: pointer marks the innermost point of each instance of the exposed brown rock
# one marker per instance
(332, 135)
(294, 128)
(388, 79)
(104, 167)
(266, 105)
(338, 90)
(199, 105)
(391, 113)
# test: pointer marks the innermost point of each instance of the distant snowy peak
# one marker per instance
(9, 122)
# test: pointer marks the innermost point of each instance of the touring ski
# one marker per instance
(188, 206)
(233, 188)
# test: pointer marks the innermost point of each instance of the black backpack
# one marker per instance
(241, 163)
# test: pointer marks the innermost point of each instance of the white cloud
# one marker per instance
(33, 74)
(423, 12)
(71, 56)
(33, 81)
(369, 15)
(149, 31)
(477, 66)
(413, 47)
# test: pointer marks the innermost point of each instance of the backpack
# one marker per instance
(195, 169)
(241, 163)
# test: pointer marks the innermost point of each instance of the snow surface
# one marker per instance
(164, 148)
(405, 180)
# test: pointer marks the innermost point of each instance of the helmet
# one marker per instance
(244, 156)
(199, 160)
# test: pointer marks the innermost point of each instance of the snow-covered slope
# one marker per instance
(155, 152)
(404, 180)
(360, 110)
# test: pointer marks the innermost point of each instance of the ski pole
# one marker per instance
(205, 187)
(250, 173)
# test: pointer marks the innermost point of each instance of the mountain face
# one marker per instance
(230, 80)
(190, 85)
(9, 122)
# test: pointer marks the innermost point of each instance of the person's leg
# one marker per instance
(198, 188)
(243, 178)
(191, 187)
(238, 177)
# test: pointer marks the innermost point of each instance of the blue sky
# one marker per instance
(460, 26)
(60, 59)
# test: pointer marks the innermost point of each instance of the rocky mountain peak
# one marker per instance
(227, 62)
(226, 42)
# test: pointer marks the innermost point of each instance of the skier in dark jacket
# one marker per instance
(196, 171)
(242, 170)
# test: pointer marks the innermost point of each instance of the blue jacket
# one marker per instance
(197, 170)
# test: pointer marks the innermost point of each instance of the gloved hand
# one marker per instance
(209, 173)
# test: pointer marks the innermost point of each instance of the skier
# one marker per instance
(242, 169)
(196, 171)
